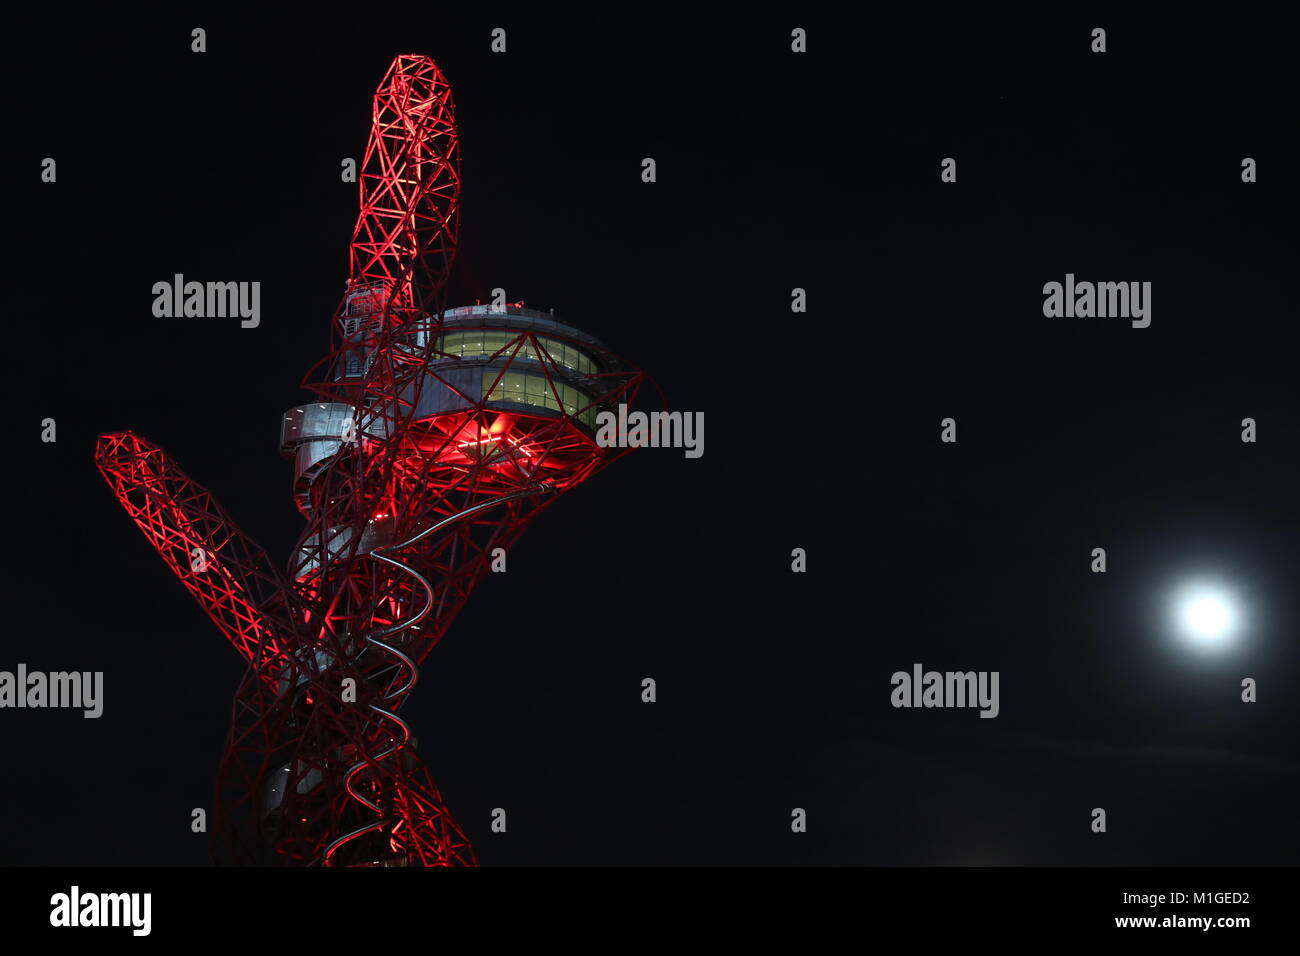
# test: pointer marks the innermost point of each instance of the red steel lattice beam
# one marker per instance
(403, 514)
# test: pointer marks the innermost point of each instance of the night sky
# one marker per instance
(775, 170)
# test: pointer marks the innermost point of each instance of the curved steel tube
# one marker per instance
(372, 638)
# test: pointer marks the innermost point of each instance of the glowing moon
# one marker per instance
(1207, 618)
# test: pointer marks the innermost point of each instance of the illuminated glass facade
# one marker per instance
(528, 389)
(487, 342)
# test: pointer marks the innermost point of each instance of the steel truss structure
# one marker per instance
(409, 480)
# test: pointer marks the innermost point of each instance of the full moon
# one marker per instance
(1207, 618)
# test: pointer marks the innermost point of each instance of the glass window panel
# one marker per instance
(548, 347)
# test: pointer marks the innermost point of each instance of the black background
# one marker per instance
(775, 171)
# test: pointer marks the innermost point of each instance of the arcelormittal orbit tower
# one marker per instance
(435, 436)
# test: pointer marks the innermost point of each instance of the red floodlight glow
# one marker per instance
(401, 521)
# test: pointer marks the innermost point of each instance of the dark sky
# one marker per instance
(775, 171)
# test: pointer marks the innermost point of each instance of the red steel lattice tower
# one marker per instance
(434, 438)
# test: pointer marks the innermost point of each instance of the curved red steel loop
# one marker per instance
(410, 478)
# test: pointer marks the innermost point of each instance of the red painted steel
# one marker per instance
(403, 516)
